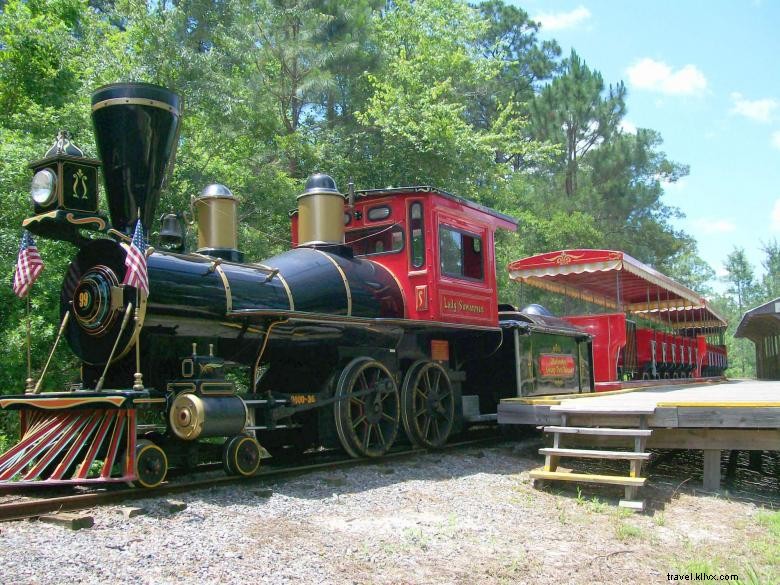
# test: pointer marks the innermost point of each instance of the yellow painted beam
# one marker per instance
(587, 477)
(554, 399)
(731, 404)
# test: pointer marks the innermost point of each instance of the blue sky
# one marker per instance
(706, 76)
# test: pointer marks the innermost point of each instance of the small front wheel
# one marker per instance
(241, 456)
(151, 464)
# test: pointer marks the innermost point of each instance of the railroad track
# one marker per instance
(34, 508)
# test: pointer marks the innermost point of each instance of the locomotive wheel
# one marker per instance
(367, 416)
(241, 456)
(151, 464)
(427, 405)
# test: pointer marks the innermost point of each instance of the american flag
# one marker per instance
(135, 261)
(28, 266)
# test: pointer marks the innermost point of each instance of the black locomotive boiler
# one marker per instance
(381, 324)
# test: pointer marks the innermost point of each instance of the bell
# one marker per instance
(171, 232)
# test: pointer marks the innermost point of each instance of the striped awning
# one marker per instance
(616, 281)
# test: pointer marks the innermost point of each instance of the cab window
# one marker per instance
(416, 235)
(379, 240)
(460, 253)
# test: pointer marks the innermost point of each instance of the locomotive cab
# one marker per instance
(439, 247)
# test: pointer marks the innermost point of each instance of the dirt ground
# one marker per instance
(453, 517)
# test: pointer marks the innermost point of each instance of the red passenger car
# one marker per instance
(655, 327)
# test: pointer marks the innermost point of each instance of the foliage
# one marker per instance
(741, 279)
(577, 111)
(770, 283)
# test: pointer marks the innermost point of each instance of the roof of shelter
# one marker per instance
(759, 322)
(615, 280)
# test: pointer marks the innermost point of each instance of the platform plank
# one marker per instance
(727, 439)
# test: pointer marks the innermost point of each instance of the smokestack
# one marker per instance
(137, 129)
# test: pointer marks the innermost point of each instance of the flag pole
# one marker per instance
(29, 383)
(138, 378)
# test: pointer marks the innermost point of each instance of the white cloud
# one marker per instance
(720, 271)
(775, 218)
(776, 139)
(762, 110)
(658, 76)
(562, 20)
(708, 225)
(628, 127)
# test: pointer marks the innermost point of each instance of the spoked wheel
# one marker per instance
(151, 464)
(367, 416)
(427, 404)
(241, 455)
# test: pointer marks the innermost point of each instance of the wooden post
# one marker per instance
(711, 469)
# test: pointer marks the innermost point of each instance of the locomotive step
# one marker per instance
(599, 431)
(587, 478)
(595, 454)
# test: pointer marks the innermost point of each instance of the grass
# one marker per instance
(761, 564)
(625, 531)
(766, 547)
(416, 538)
(771, 521)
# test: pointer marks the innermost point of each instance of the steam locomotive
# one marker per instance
(381, 323)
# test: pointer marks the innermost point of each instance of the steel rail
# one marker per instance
(34, 508)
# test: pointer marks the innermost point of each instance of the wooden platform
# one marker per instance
(730, 415)
(733, 404)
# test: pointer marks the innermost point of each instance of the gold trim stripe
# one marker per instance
(347, 289)
(398, 283)
(55, 403)
(287, 290)
(282, 280)
(226, 284)
(149, 400)
(136, 102)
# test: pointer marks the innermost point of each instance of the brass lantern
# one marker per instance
(65, 179)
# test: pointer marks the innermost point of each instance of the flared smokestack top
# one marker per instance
(136, 128)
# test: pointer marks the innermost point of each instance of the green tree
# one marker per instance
(578, 112)
(688, 268)
(741, 279)
(623, 189)
(771, 263)
(510, 39)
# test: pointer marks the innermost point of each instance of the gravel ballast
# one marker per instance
(457, 517)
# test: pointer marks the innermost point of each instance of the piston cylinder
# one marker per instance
(193, 416)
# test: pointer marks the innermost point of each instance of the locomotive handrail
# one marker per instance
(125, 321)
(262, 350)
(64, 323)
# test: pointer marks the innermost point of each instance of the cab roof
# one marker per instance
(504, 221)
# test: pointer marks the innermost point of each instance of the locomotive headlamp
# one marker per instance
(64, 179)
(44, 187)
